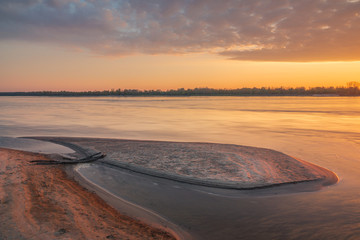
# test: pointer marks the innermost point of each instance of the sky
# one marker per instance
(79, 45)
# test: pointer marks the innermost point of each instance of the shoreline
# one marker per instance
(43, 202)
(139, 219)
(130, 209)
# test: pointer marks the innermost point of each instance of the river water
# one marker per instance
(321, 130)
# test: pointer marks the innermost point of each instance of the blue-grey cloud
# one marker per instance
(260, 30)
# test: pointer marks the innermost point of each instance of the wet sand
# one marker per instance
(42, 202)
(207, 164)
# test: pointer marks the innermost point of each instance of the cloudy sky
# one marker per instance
(162, 44)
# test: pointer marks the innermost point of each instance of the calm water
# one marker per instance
(322, 130)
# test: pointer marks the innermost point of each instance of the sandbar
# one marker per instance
(208, 164)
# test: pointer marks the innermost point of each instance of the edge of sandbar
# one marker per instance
(329, 179)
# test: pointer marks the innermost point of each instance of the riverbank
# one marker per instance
(42, 202)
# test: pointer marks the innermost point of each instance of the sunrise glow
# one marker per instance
(97, 45)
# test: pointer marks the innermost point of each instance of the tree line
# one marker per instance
(352, 89)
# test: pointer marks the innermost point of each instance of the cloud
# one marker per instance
(257, 30)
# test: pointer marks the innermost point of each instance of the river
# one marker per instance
(321, 130)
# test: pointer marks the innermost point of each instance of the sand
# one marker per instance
(209, 164)
(42, 202)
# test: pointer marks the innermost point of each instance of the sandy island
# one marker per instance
(43, 202)
(208, 164)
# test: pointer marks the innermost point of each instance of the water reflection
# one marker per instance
(179, 118)
(325, 131)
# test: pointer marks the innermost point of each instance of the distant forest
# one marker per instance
(352, 89)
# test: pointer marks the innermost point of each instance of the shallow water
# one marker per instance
(32, 145)
(322, 130)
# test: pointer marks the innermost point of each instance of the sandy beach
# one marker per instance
(42, 202)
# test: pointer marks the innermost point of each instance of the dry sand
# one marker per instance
(41, 202)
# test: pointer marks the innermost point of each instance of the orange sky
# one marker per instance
(98, 45)
(31, 67)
